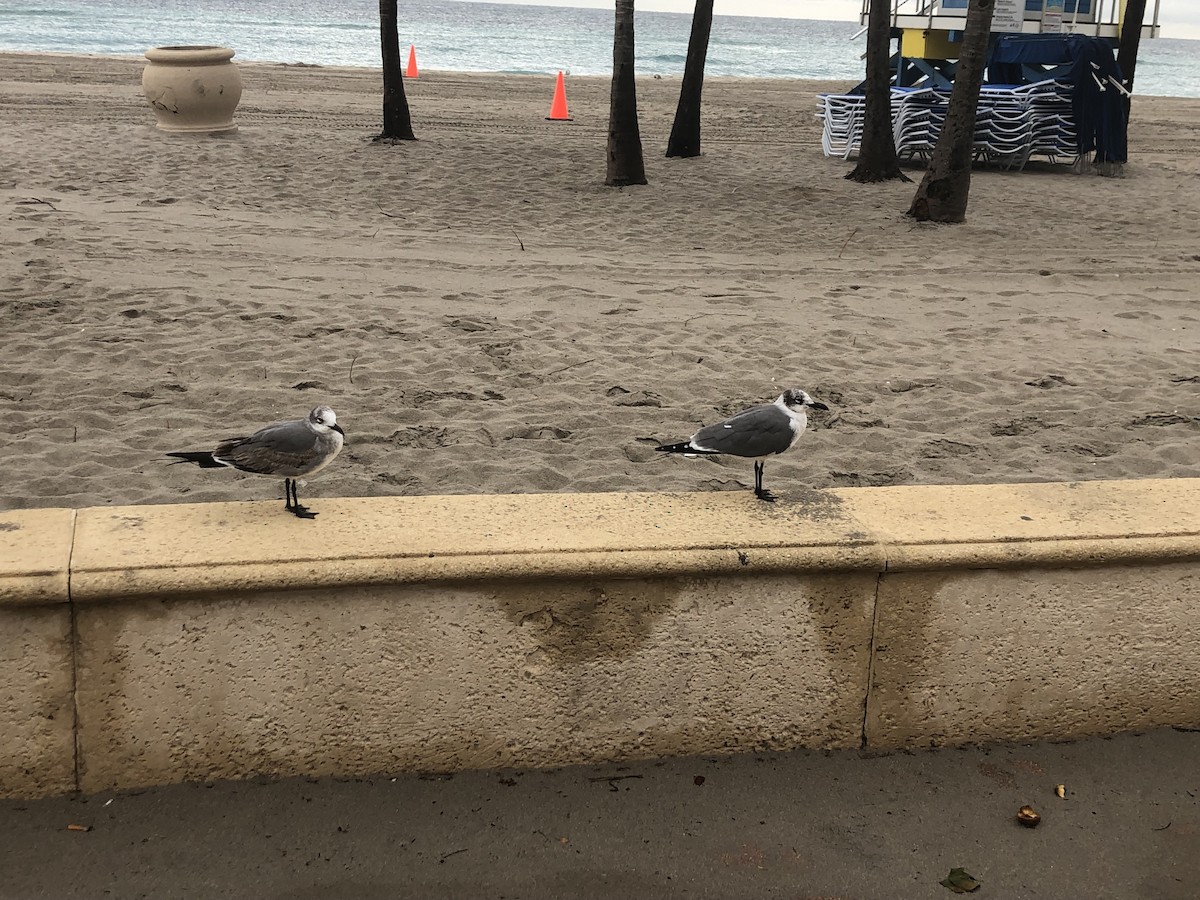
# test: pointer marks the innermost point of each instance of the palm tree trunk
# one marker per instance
(877, 152)
(397, 123)
(942, 194)
(625, 165)
(685, 132)
(1131, 38)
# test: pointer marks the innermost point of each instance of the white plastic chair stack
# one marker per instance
(1051, 110)
(1012, 122)
(842, 115)
(918, 119)
(1003, 127)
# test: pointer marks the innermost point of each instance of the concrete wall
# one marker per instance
(445, 678)
(1024, 654)
(146, 645)
(37, 679)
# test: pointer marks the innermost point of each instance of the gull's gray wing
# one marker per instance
(286, 449)
(758, 431)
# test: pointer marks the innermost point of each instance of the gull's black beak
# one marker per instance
(816, 404)
(338, 429)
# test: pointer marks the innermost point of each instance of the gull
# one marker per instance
(291, 449)
(755, 433)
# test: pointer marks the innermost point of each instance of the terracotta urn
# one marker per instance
(193, 89)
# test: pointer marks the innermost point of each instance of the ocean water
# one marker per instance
(483, 37)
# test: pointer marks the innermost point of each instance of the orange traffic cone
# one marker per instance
(411, 71)
(558, 108)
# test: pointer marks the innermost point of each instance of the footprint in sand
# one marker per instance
(536, 433)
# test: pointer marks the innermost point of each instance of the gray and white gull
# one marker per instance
(289, 449)
(755, 433)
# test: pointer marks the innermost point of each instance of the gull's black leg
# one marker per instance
(759, 492)
(301, 512)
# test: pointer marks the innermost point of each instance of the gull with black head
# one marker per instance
(755, 433)
(289, 449)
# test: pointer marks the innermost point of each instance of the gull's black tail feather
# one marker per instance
(202, 458)
(683, 447)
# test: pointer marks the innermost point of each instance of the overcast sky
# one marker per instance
(1178, 18)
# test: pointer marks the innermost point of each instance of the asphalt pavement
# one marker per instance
(800, 826)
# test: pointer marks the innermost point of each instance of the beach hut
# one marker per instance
(1053, 88)
(929, 32)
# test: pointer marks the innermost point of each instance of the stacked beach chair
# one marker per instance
(1051, 105)
(917, 120)
(1012, 122)
(842, 115)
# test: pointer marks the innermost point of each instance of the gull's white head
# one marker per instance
(324, 420)
(796, 401)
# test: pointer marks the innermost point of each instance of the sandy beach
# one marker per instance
(486, 316)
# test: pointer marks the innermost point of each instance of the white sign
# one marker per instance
(1009, 15)
(1052, 17)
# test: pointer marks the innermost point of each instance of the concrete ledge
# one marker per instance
(991, 526)
(35, 555)
(431, 633)
(148, 550)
